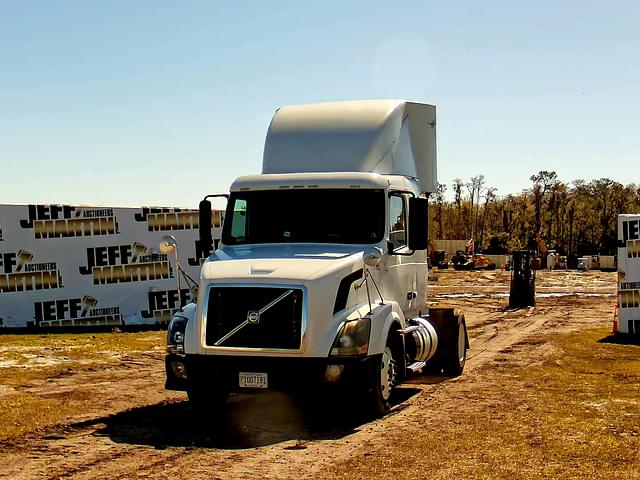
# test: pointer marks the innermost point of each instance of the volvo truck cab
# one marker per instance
(320, 275)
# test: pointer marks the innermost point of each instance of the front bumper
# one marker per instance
(286, 374)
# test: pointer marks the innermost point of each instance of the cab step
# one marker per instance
(416, 367)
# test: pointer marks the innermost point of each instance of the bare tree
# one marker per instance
(542, 183)
(439, 199)
(457, 191)
(489, 195)
(474, 187)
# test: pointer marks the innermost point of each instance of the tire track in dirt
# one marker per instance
(486, 346)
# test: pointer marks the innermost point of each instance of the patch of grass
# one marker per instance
(23, 413)
(25, 376)
(571, 412)
(28, 360)
(587, 404)
(85, 341)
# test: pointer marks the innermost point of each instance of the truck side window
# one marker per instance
(239, 223)
(397, 222)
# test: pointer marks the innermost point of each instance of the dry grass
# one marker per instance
(28, 361)
(571, 410)
(28, 358)
(23, 413)
(84, 341)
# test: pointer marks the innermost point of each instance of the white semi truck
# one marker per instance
(320, 276)
(627, 316)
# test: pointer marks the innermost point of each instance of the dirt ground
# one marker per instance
(126, 426)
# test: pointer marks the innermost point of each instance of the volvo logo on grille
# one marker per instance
(253, 317)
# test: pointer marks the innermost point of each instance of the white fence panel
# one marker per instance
(66, 265)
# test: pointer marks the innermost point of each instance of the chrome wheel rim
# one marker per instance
(387, 373)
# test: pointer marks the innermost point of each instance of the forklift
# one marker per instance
(522, 292)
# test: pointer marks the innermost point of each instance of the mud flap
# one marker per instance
(446, 322)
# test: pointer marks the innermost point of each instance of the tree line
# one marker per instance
(575, 219)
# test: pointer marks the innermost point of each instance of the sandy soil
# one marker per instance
(130, 427)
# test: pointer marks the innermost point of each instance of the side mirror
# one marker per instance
(168, 244)
(206, 238)
(205, 225)
(418, 224)
(372, 257)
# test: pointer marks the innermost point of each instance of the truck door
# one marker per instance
(401, 269)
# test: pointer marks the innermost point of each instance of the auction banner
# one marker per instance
(629, 273)
(69, 266)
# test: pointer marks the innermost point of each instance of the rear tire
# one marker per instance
(455, 356)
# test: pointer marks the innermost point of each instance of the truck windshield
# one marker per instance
(305, 216)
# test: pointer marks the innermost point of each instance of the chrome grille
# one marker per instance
(254, 317)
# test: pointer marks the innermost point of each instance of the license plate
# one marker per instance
(253, 380)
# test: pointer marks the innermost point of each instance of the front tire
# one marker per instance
(383, 380)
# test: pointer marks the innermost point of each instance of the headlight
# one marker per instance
(352, 338)
(175, 334)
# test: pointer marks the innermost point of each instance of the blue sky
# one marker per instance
(158, 103)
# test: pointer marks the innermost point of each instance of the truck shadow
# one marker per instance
(621, 339)
(246, 421)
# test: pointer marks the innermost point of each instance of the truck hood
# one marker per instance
(280, 263)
